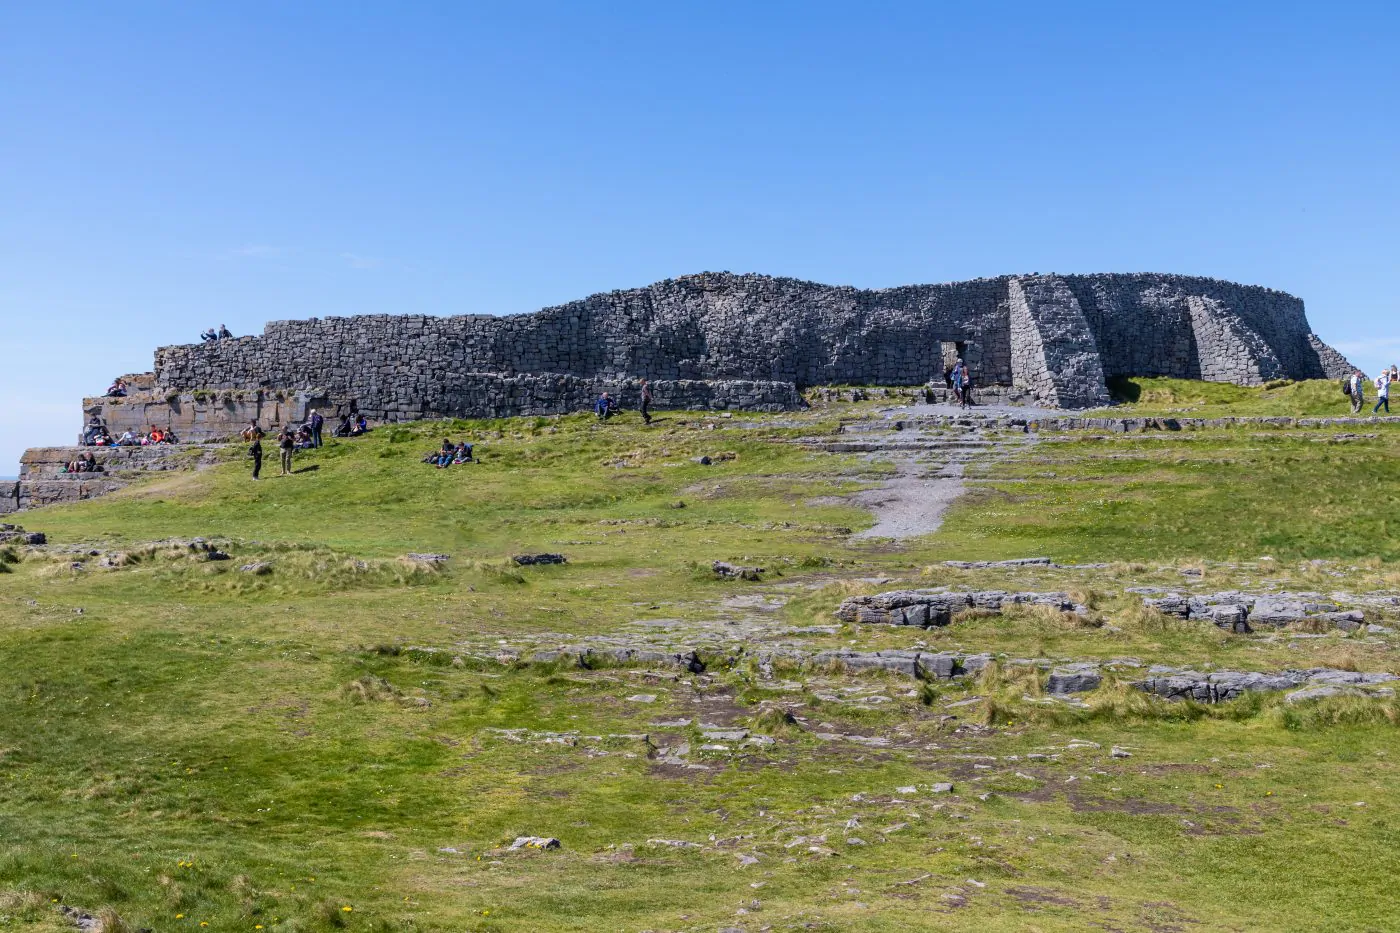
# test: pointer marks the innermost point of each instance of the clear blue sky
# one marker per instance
(168, 166)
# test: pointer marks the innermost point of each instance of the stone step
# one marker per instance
(42, 480)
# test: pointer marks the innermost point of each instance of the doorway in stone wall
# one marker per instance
(952, 351)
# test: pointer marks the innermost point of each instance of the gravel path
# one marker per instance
(930, 466)
(912, 503)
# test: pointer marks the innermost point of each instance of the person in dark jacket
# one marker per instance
(315, 423)
(224, 332)
(254, 435)
(286, 443)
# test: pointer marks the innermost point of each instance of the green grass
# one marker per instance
(1191, 398)
(203, 745)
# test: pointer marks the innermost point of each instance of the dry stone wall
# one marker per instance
(1056, 337)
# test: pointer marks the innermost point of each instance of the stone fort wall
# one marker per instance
(753, 339)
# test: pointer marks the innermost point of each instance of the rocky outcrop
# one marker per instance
(1243, 612)
(1221, 686)
(929, 608)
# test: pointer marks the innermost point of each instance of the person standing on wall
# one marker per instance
(254, 435)
(646, 401)
(315, 423)
(1382, 392)
(286, 442)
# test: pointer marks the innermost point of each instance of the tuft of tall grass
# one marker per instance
(1330, 712)
(369, 689)
(774, 721)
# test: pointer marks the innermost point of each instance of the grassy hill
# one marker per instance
(321, 733)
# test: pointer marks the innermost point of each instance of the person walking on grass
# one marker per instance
(286, 442)
(1358, 392)
(254, 435)
(1382, 392)
(646, 401)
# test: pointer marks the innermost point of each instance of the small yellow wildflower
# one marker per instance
(347, 909)
(179, 916)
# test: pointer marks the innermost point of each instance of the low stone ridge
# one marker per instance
(1222, 686)
(728, 571)
(1063, 678)
(1239, 612)
(529, 560)
(929, 608)
(589, 657)
(16, 533)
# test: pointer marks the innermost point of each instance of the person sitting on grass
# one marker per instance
(605, 407)
(443, 453)
(127, 440)
(361, 427)
(343, 429)
(463, 453)
(304, 440)
(447, 454)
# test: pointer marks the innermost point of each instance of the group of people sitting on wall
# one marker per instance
(86, 463)
(450, 454)
(211, 334)
(97, 435)
(118, 388)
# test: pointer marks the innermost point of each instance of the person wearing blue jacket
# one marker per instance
(605, 407)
